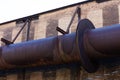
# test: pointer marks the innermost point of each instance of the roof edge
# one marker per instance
(36, 15)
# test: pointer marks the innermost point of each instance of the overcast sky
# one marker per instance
(14, 9)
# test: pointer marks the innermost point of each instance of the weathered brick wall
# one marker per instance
(101, 14)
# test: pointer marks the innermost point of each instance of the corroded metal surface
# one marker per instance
(106, 40)
(103, 42)
(52, 50)
(87, 45)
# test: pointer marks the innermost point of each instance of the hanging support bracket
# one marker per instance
(77, 11)
(7, 42)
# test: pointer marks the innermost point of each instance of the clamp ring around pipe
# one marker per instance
(86, 62)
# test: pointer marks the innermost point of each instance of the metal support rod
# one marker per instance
(7, 42)
(77, 11)
(61, 30)
(20, 31)
(28, 30)
(79, 14)
(71, 21)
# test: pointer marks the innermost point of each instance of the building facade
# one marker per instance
(101, 14)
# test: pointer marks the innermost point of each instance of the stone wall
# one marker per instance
(101, 14)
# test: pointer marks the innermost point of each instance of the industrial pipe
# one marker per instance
(87, 45)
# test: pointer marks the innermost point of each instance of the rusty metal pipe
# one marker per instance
(86, 46)
(52, 50)
(105, 40)
(43, 51)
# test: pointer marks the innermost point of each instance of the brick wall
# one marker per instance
(101, 14)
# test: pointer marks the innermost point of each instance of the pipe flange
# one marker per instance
(86, 62)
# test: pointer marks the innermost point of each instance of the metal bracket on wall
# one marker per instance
(7, 42)
(78, 12)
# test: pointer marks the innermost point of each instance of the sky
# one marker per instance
(14, 9)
